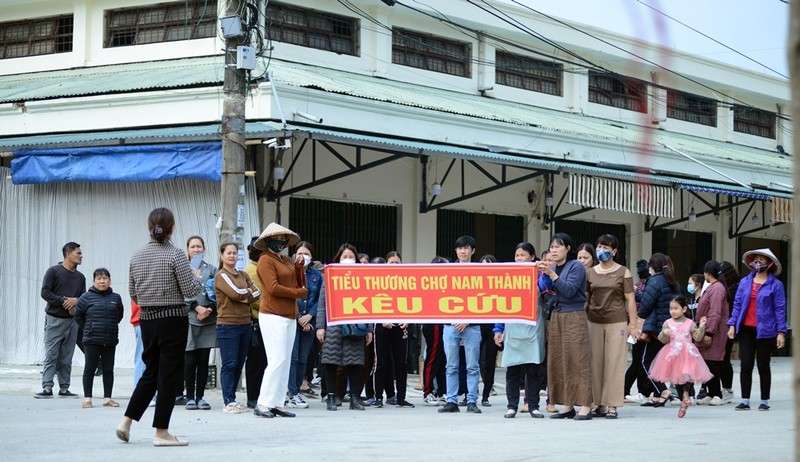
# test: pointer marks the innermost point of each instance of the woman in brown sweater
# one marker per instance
(283, 281)
(235, 291)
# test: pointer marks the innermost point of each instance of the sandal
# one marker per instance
(111, 403)
(684, 406)
(87, 404)
(611, 413)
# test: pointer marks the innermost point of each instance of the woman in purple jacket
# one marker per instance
(759, 321)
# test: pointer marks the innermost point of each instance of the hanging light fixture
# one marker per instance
(692, 215)
(436, 189)
(755, 220)
(278, 172)
(548, 200)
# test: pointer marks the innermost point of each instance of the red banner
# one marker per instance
(433, 293)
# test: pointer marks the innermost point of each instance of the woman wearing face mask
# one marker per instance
(695, 288)
(759, 321)
(306, 317)
(611, 309)
(284, 283)
(338, 350)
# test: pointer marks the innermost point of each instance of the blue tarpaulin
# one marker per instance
(119, 164)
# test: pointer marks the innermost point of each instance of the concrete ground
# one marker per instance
(59, 429)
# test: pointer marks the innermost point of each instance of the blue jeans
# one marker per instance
(472, 349)
(234, 343)
(138, 364)
(303, 342)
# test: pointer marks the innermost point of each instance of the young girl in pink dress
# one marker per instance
(679, 361)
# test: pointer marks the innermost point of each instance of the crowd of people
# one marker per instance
(270, 320)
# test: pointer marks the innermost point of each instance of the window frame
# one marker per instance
(749, 126)
(426, 58)
(690, 108)
(309, 34)
(620, 91)
(203, 14)
(533, 75)
(59, 40)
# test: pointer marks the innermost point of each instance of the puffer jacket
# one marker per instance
(654, 307)
(99, 313)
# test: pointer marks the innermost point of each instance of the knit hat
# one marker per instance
(748, 256)
(274, 229)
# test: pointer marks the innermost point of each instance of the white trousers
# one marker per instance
(278, 335)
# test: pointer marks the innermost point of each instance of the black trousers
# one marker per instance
(98, 354)
(529, 375)
(163, 355)
(715, 384)
(754, 350)
(197, 370)
(488, 363)
(391, 351)
(435, 361)
(636, 370)
(649, 353)
(351, 373)
(255, 364)
(727, 367)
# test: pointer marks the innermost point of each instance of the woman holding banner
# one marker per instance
(569, 359)
(338, 350)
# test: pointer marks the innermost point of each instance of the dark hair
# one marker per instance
(641, 269)
(362, 255)
(69, 247)
(528, 247)
(342, 248)
(698, 279)
(253, 253)
(101, 272)
(663, 264)
(680, 300)
(488, 258)
(713, 268)
(394, 253)
(565, 240)
(609, 240)
(377, 260)
(588, 248)
(222, 248)
(161, 222)
(729, 273)
(466, 241)
(438, 259)
(191, 238)
(305, 244)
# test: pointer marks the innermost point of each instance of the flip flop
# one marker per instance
(111, 403)
(160, 442)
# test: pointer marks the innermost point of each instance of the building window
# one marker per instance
(754, 121)
(32, 37)
(691, 108)
(528, 73)
(312, 29)
(621, 92)
(165, 22)
(431, 53)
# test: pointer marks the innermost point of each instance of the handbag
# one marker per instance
(355, 331)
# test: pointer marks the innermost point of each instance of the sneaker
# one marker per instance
(486, 403)
(64, 393)
(638, 398)
(705, 400)
(152, 403)
(46, 393)
(391, 401)
(449, 407)
(473, 408)
(181, 400)
(442, 400)
(702, 394)
(191, 405)
(763, 407)
(716, 401)
(742, 407)
(203, 405)
(463, 402)
(377, 403)
(316, 382)
(403, 403)
(727, 396)
(431, 400)
(298, 402)
(231, 408)
(369, 402)
(493, 392)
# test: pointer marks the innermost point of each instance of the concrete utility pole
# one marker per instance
(794, 73)
(233, 140)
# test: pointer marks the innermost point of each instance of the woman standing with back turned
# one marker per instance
(159, 280)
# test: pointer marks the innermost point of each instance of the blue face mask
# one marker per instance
(604, 255)
(691, 288)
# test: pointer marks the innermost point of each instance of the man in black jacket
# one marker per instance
(62, 286)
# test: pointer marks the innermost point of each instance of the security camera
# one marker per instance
(310, 117)
(270, 141)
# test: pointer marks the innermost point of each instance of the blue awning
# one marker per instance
(119, 164)
(729, 192)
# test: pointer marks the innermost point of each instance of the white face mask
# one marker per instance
(307, 259)
(347, 261)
